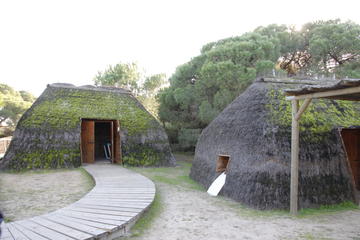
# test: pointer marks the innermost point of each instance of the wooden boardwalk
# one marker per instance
(108, 211)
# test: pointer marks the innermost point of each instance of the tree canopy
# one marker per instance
(201, 88)
(13, 104)
(129, 76)
(124, 75)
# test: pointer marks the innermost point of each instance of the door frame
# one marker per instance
(116, 156)
(349, 168)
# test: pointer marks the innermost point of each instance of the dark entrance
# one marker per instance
(103, 140)
(100, 141)
(351, 138)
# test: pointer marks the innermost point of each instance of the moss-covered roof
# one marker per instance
(62, 106)
(48, 134)
(322, 115)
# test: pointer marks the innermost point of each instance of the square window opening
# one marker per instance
(222, 163)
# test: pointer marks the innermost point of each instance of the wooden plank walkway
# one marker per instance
(108, 211)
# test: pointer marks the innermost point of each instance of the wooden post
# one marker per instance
(294, 159)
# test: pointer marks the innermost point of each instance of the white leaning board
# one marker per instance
(217, 185)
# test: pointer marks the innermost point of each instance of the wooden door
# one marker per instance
(117, 142)
(88, 141)
(351, 138)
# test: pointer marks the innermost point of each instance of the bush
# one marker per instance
(188, 138)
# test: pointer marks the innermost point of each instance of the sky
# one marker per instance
(48, 41)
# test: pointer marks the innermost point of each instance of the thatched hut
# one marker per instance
(251, 141)
(68, 126)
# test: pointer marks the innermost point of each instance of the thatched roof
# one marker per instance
(255, 131)
(328, 86)
(48, 134)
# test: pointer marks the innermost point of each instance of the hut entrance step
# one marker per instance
(351, 138)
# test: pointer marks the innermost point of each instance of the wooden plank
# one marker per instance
(338, 92)
(88, 141)
(101, 226)
(117, 142)
(28, 233)
(122, 199)
(76, 225)
(113, 204)
(115, 208)
(96, 191)
(119, 219)
(140, 201)
(294, 159)
(69, 231)
(45, 232)
(6, 235)
(16, 233)
(132, 195)
(123, 196)
(92, 218)
(97, 215)
(302, 108)
(102, 211)
(131, 191)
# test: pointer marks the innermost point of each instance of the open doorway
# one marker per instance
(103, 141)
(351, 138)
(100, 141)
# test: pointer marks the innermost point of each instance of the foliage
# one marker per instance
(149, 90)
(201, 88)
(333, 44)
(13, 104)
(129, 76)
(153, 83)
(124, 75)
(188, 138)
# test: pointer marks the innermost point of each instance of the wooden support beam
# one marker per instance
(294, 159)
(302, 109)
(344, 91)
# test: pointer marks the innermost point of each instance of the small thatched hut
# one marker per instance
(68, 126)
(251, 141)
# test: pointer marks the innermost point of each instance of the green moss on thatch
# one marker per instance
(64, 108)
(48, 135)
(60, 158)
(321, 116)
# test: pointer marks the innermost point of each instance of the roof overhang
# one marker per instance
(346, 89)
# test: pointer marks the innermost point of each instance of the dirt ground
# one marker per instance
(184, 209)
(190, 213)
(23, 195)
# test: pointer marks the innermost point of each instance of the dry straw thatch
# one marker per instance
(255, 131)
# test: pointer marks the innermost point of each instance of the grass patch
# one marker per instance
(303, 213)
(326, 209)
(175, 176)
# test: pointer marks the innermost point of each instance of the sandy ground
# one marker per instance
(193, 214)
(190, 214)
(187, 211)
(23, 195)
